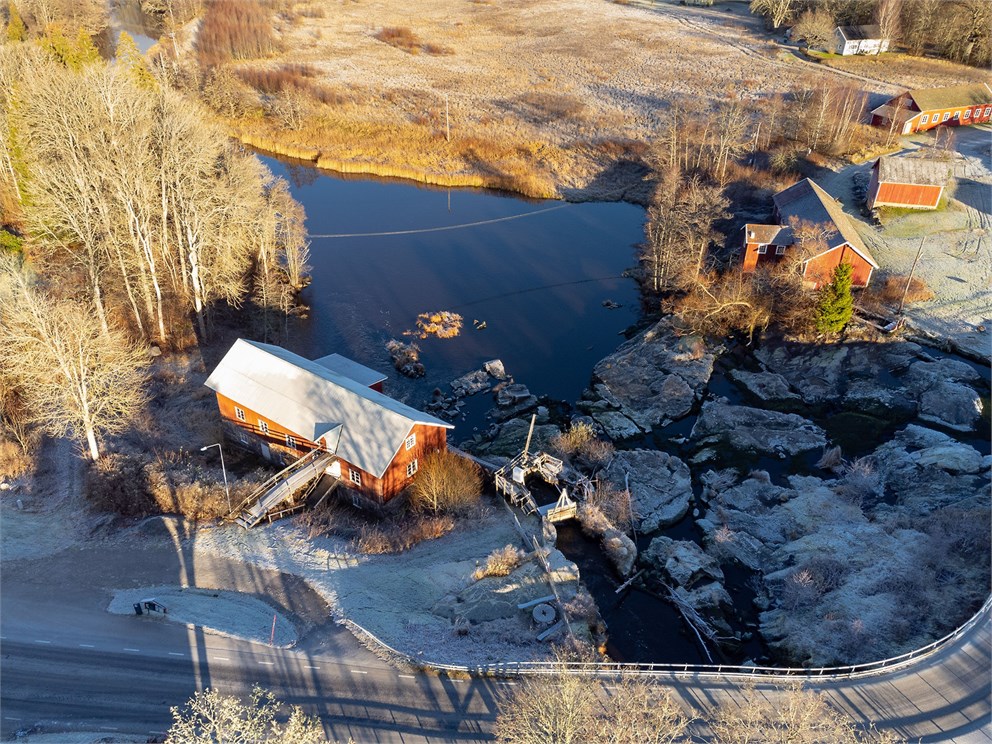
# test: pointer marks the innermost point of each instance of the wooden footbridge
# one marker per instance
(284, 492)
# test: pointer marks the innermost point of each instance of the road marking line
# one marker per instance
(11, 718)
(133, 649)
(48, 642)
(109, 728)
(175, 653)
(357, 671)
(86, 645)
(407, 676)
(267, 663)
(311, 667)
(220, 658)
(508, 683)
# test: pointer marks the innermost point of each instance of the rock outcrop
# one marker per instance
(756, 430)
(660, 486)
(650, 381)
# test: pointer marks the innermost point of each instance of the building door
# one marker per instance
(266, 452)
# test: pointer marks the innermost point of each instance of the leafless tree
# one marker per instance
(77, 379)
(209, 717)
(887, 15)
(776, 11)
(794, 716)
(816, 28)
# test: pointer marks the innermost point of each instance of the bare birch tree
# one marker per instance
(77, 379)
(776, 11)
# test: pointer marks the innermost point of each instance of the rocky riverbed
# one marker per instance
(848, 482)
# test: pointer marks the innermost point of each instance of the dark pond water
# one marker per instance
(538, 281)
(127, 15)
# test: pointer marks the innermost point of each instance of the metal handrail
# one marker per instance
(612, 669)
(273, 480)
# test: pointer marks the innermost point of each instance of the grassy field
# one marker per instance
(546, 98)
(910, 72)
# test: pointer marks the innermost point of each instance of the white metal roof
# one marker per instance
(310, 400)
(352, 369)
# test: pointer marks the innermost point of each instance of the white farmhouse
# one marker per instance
(859, 40)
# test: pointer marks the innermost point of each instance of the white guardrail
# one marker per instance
(722, 671)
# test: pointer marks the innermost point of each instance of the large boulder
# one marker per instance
(509, 440)
(660, 486)
(471, 383)
(654, 378)
(682, 562)
(765, 385)
(755, 430)
(951, 404)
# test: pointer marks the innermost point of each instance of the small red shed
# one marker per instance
(908, 182)
(282, 405)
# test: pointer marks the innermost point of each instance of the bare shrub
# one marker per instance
(446, 482)
(277, 79)
(832, 458)
(554, 105)
(887, 293)
(501, 562)
(614, 504)
(118, 484)
(862, 483)
(799, 590)
(438, 50)
(396, 537)
(235, 29)
(580, 444)
(400, 37)
(14, 461)
(828, 573)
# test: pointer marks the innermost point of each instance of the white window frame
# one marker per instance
(925, 119)
(411, 442)
(242, 436)
(263, 426)
(291, 441)
(967, 114)
(988, 110)
(956, 116)
(355, 476)
(762, 249)
(947, 115)
(239, 413)
(780, 250)
(411, 468)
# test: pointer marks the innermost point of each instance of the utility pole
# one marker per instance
(447, 120)
(911, 272)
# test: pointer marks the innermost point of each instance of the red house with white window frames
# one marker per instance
(806, 203)
(920, 110)
(282, 405)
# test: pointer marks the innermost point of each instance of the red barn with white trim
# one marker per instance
(920, 110)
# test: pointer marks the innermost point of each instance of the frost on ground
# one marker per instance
(406, 600)
(230, 614)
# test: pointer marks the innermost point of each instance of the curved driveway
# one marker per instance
(67, 665)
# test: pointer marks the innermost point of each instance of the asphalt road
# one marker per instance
(71, 669)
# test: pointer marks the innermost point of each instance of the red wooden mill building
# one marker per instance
(806, 203)
(284, 406)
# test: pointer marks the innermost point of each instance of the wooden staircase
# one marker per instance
(270, 496)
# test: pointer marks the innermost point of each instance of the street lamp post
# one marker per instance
(223, 470)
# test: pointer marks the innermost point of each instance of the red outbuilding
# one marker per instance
(283, 406)
(807, 207)
(919, 110)
(906, 182)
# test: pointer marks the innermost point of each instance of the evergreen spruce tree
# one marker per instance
(836, 303)
(131, 59)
